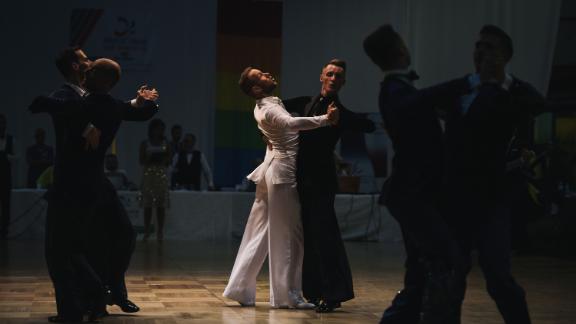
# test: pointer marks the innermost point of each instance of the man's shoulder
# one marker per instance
(298, 100)
(521, 84)
(297, 104)
(65, 92)
(396, 80)
(394, 85)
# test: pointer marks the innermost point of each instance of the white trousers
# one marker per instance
(274, 227)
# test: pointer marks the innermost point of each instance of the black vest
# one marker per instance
(188, 174)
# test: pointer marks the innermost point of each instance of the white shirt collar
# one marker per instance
(79, 90)
(269, 99)
(474, 80)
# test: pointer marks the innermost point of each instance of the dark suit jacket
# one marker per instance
(412, 122)
(315, 163)
(69, 142)
(477, 143)
(81, 168)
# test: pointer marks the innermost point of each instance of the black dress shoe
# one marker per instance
(62, 319)
(327, 306)
(127, 306)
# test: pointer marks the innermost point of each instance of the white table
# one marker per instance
(212, 215)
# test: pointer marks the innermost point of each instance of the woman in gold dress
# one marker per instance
(155, 158)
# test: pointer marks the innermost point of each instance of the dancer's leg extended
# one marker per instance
(252, 252)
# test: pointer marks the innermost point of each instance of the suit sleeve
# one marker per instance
(296, 105)
(44, 104)
(521, 99)
(354, 121)
(402, 100)
(526, 98)
(130, 113)
(281, 119)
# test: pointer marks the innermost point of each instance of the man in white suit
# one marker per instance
(274, 226)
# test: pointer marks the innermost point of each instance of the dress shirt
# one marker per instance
(475, 83)
(281, 129)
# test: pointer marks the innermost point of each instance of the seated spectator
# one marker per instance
(189, 166)
(117, 177)
(39, 157)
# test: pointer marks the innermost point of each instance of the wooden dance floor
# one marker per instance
(182, 282)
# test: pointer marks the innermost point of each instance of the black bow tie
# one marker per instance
(412, 75)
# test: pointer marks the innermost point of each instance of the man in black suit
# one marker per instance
(410, 193)
(479, 128)
(107, 115)
(78, 194)
(73, 135)
(326, 277)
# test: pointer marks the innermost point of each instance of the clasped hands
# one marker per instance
(333, 114)
(145, 93)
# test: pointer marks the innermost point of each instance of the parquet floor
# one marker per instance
(182, 282)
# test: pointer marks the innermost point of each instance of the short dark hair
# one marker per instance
(382, 46)
(65, 58)
(337, 62)
(502, 35)
(176, 126)
(155, 123)
(245, 83)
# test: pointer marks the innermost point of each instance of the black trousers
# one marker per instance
(326, 272)
(112, 247)
(427, 241)
(76, 284)
(485, 227)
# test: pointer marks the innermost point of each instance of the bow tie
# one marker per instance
(412, 75)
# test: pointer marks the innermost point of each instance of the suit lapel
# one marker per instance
(309, 105)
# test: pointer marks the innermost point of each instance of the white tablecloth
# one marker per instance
(212, 215)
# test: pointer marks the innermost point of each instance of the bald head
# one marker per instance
(102, 76)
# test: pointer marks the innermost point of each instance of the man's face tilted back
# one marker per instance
(264, 83)
(488, 46)
(332, 78)
(81, 65)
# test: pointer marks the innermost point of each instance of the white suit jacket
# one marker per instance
(281, 129)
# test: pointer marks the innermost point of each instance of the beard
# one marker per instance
(269, 87)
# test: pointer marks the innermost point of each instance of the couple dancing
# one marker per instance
(283, 204)
(89, 237)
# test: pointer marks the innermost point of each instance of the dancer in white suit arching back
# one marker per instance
(274, 227)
